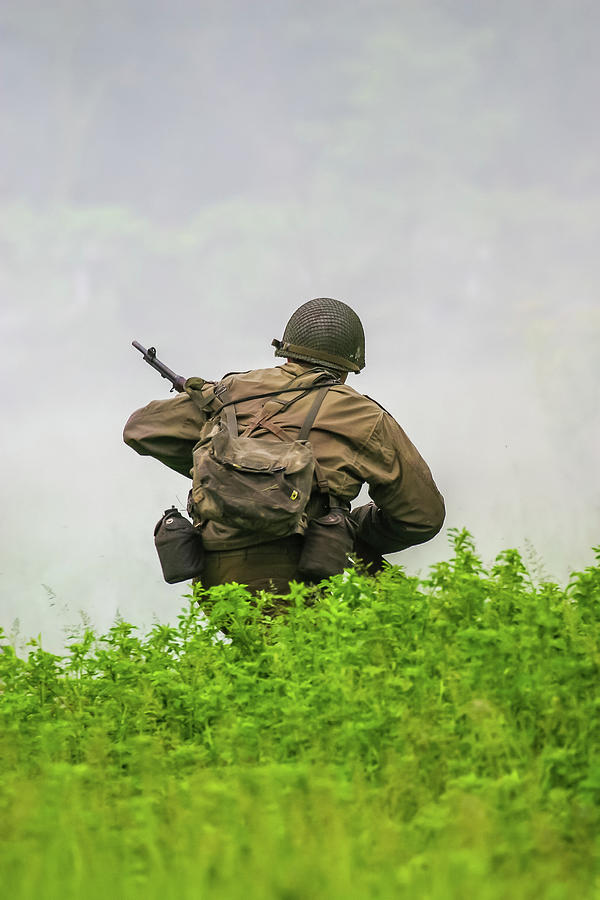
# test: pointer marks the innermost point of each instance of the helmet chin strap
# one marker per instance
(309, 354)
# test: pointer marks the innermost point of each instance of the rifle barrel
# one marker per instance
(150, 357)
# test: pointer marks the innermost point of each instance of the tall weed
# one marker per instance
(437, 737)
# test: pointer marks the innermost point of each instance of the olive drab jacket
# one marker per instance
(353, 439)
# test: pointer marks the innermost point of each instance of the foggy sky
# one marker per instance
(188, 174)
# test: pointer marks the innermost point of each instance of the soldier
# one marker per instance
(353, 439)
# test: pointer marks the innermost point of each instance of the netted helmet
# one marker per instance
(326, 332)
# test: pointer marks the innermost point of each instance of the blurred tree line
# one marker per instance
(167, 107)
(445, 150)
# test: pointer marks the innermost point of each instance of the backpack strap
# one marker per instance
(261, 419)
(276, 430)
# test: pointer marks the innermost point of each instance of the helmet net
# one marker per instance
(329, 326)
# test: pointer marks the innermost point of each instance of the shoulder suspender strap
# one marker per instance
(308, 423)
(312, 413)
(322, 482)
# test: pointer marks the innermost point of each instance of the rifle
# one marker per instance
(150, 357)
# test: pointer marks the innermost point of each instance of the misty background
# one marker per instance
(187, 173)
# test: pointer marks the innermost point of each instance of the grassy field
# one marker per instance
(389, 737)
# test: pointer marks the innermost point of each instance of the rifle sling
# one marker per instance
(216, 394)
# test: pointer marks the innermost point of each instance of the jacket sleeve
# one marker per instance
(408, 509)
(167, 430)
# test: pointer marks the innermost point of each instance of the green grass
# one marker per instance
(389, 737)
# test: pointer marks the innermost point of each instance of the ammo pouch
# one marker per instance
(327, 542)
(179, 547)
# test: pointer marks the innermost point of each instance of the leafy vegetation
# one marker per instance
(434, 737)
